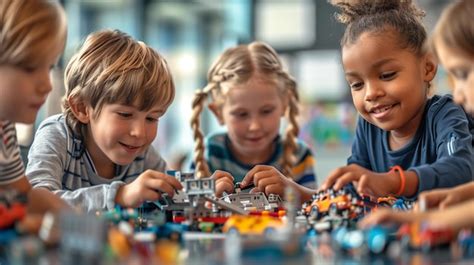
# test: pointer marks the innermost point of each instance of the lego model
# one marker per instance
(12, 208)
(375, 239)
(252, 225)
(253, 201)
(418, 235)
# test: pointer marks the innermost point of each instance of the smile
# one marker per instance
(381, 111)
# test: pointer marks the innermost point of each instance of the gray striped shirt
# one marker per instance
(60, 162)
(11, 165)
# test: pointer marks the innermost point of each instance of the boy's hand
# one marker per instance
(224, 182)
(147, 187)
(364, 180)
(266, 179)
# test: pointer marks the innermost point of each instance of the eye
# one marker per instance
(268, 111)
(460, 74)
(152, 119)
(388, 76)
(124, 114)
(356, 85)
(28, 68)
(240, 115)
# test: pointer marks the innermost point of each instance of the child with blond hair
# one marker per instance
(249, 93)
(98, 152)
(32, 38)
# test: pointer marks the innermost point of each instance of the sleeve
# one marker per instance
(46, 164)
(359, 153)
(11, 164)
(304, 173)
(47, 156)
(455, 156)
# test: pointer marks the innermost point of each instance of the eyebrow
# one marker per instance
(375, 65)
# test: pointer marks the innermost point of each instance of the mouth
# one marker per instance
(381, 111)
(130, 148)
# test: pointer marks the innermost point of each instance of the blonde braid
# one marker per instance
(202, 169)
(290, 144)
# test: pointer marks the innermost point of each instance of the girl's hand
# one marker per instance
(266, 179)
(364, 180)
(224, 182)
(147, 187)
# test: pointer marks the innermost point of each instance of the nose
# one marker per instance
(459, 94)
(254, 124)
(373, 91)
(45, 84)
(137, 129)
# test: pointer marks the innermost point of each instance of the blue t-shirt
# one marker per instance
(441, 152)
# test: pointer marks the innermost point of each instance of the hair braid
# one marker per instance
(291, 133)
(202, 169)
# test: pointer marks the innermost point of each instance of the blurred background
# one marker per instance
(190, 34)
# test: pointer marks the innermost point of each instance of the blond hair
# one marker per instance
(236, 66)
(455, 28)
(29, 29)
(113, 68)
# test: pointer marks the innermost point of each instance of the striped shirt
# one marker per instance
(219, 157)
(59, 161)
(11, 165)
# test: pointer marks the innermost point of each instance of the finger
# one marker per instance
(224, 186)
(248, 178)
(172, 181)
(380, 216)
(160, 185)
(218, 174)
(362, 184)
(432, 198)
(344, 179)
(332, 178)
(274, 189)
(264, 182)
(448, 201)
(261, 175)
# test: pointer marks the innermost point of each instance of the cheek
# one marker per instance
(358, 100)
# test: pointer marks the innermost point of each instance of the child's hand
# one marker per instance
(267, 179)
(147, 187)
(387, 216)
(364, 180)
(224, 182)
(443, 198)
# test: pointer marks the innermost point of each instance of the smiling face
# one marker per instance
(119, 133)
(252, 113)
(388, 83)
(460, 66)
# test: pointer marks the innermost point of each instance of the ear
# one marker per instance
(217, 112)
(80, 110)
(430, 67)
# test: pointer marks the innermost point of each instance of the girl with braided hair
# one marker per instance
(406, 142)
(249, 92)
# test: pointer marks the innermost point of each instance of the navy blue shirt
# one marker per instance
(441, 152)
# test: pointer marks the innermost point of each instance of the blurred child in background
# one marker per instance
(32, 38)
(97, 153)
(452, 42)
(406, 142)
(249, 93)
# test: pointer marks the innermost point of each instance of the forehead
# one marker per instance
(370, 48)
(254, 92)
(452, 57)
